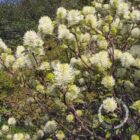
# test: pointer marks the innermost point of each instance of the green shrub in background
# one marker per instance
(25, 15)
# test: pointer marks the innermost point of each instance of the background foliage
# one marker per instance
(23, 15)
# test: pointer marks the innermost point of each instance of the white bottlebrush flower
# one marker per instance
(74, 17)
(27, 137)
(40, 51)
(115, 3)
(61, 13)
(9, 60)
(45, 25)
(19, 51)
(81, 81)
(94, 37)
(73, 61)
(98, 5)
(117, 54)
(88, 10)
(5, 128)
(108, 81)
(110, 105)
(3, 46)
(106, 6)
(60, 135)
(117, 23)
(31, 39)
(91, 20)
(135, 50)
(44, 66)
(22, 62)
(40, 88)
(123, 9)
(18, 136)
(101, 60)
(85, 37)
(12, 121)
(73, 92)
(135, 32)
(9, 137)
(135, 15)
(64, 74)
(127, 59)
(64, 33)
(137, 63)
(106, 28)
(50, 126)
(70, 118)
(40, 133)
(102, 44)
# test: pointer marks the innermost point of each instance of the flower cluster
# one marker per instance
(31, 39)
(6, 133)
(101, 60)
(109, 104)
(45, 25)
(64, 74)
(74, 17)
(2, 45)
(108, 81)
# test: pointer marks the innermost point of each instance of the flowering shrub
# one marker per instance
(100, 67)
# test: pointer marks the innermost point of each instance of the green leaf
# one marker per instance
(108, 135)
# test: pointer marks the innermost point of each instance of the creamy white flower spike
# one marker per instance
(64, 33)
(31, 39)
(5, 128)
(117, 54)
(110, 105)
(12, 121)
(101, 60)
(85, 37)
(88, 10)
(91, 20)
(18, 136)
(3, 46)
(117, 23)
(135, 33)
(44, 66)
(9, 60)
(9, 136)
(22, 62)
(134, 50)
(61, 13)
(27, 137)
(73, 92)
(19, 51)
(102, 44)
(127, 59)
(45, 25)
(116, 3)
(40, 133)
(137, 63)
(64, 74)
(50, 126)
(74, 17)
(123, 9)
(108, 82)
(135, 15)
